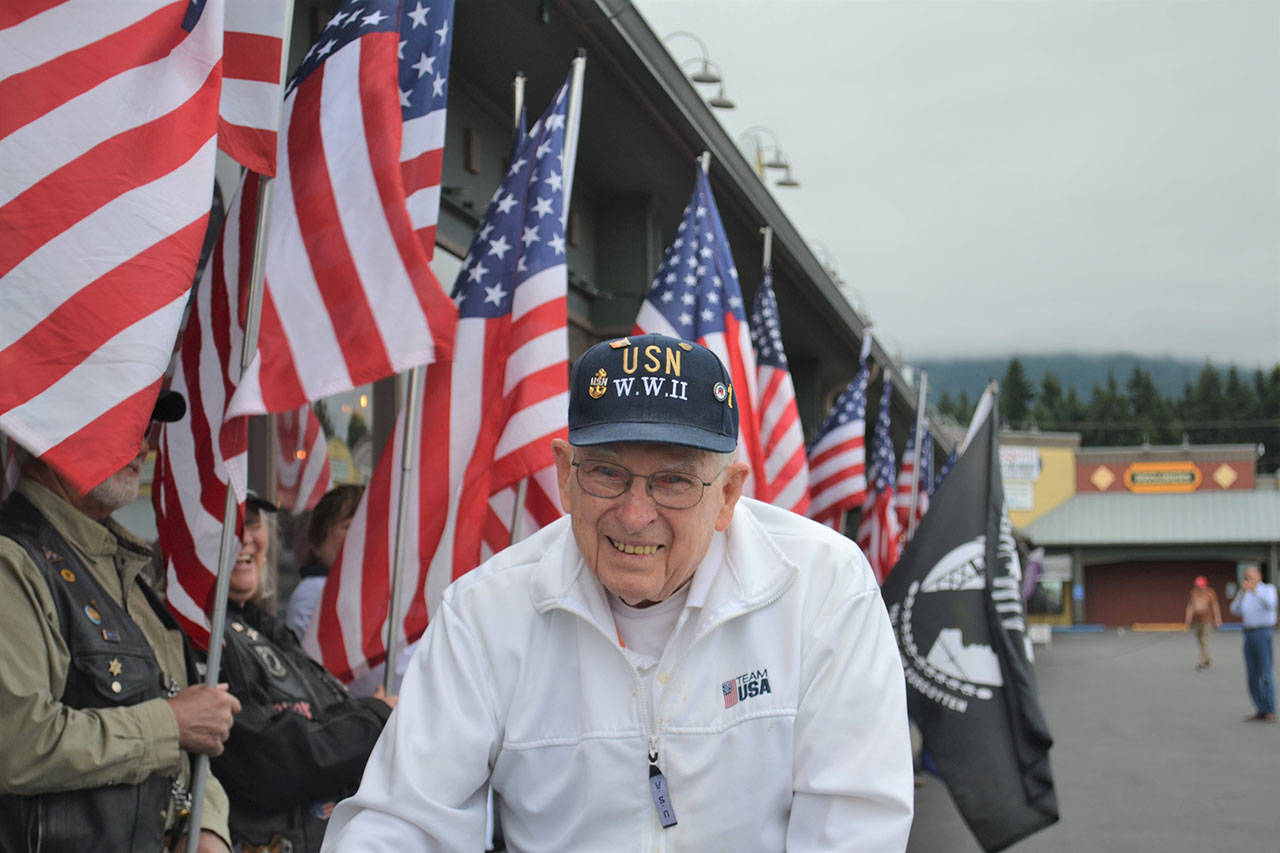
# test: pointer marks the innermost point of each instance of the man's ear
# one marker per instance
(734, 478)
(563, 451)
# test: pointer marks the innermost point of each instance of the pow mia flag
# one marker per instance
(954, 599)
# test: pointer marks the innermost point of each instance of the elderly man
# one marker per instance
(1255, 604)
(670, 667)
(96, 717)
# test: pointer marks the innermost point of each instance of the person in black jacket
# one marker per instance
(300, 741)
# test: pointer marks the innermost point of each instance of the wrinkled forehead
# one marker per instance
(652, 454)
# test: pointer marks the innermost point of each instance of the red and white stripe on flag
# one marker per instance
(107, 145)
(902, 498)
(302, 460)
(838, 456)
(786, 470)
(879, 535)
(349, 295)
(198, 453)
(249, 111)
(488, 418)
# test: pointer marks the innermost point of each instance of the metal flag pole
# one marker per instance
(917, 453)
(226, 547)
(985, 403)
(522, 488)
(767, 255)
(704, 160)
(408, 447)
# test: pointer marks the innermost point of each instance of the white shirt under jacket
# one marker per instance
(520, 680)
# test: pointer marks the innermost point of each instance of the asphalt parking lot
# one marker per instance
(1149, 755)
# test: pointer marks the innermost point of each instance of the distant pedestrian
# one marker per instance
(1204, 615)
(1255, 604)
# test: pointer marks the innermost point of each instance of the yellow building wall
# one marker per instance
(1056, 484)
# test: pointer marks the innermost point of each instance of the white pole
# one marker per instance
(704, 160)
(767, 257)
(517, 97)
(517, 87)
(226, 550)
(409, 444)
(917, 453)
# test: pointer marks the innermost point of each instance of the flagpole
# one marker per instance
(985, 404)
(767, 255)
(226, 554)
(517, 97)
(704, 160)
(409, 443)
(917, 454)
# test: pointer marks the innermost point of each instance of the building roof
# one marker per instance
(1241, 516)
(1176, 452)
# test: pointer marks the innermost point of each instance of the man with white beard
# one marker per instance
(96, 714)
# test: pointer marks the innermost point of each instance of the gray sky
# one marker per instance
(1031, 176)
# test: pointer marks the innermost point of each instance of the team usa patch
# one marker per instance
(745, 686)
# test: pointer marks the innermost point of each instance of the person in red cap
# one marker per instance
(1204, 614)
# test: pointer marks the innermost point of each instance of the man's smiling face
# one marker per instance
(640, 551)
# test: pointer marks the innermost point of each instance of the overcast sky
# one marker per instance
(1033, 176)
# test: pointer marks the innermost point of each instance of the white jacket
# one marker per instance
(520, 681)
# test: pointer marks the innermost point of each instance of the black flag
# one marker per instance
(955, 601)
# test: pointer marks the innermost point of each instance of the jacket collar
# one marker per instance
(753, 573)
(97, 543)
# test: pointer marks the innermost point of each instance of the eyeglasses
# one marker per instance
(670, 489)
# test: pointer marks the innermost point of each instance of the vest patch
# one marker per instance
(745, 686)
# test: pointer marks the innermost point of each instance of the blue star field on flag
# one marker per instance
(697, 283)
(766, 333)
(851, 406)
(882, 467)
(522, 232)
(423, 49)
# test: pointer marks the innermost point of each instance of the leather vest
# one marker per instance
(112, 664)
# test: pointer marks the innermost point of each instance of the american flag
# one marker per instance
(838, 455)
(342, 258)
(249, 110)
(786, 479)
(903, 500)
(350, 297)
(695, 295)
(189, 488)
(946, 469)
(488, 416)
(107, 144)
(878, 531)
(302, 460)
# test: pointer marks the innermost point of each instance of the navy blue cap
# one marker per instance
(652, 388)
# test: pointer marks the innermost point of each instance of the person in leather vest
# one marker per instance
(97, 721)
(300, 741)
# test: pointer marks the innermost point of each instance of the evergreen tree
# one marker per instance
(1050, 406)
(1149, 412)
(1108, 415)
(1016, 396)
(964, 408)
(946, 405)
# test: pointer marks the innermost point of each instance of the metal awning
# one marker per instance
(1237, 517)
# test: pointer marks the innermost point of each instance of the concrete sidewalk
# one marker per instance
(1149, 755)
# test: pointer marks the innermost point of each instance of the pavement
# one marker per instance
(1148, 755)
